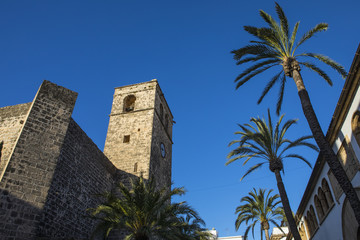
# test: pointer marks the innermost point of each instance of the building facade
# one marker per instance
(50, 169)
(324, 212)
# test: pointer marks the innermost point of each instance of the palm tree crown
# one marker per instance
(268, 143)
(275, 46)
(258, 207)
(146, 212)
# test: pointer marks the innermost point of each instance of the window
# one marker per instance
(347, 158)
(319, 207)
(324, 203)
(326, 189)
(126, 138)
(355, 126)
(315, 222)
(129, 103)
(311, 221)
(135, 167)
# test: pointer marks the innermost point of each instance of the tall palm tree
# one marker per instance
(258, 207)
(275, 46)
(146, 212)
(268, 143)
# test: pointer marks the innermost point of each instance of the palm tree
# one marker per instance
(276, 46)
(145, 212)
(193, 229)
(268, 143)
(258, 208)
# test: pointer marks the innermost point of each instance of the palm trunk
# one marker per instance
(267, 237)
(325, 147)
(286, 205)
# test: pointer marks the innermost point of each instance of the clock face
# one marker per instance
(162, 150)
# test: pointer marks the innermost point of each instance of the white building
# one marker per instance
(324, 212)
(215, 236)
(279, 234)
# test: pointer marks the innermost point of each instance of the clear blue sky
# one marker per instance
(92, 47)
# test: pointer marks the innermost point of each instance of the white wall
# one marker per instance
(331, 226)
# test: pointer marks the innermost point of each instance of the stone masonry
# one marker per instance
(145, 129)
(51, 170)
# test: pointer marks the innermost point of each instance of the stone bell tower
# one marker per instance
(139, 137)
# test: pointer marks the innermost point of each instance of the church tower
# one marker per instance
(139, 137)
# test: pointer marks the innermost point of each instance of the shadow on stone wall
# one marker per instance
(21, 217)
(82, 172)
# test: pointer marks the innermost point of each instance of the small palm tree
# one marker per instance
(192, 228)
(146, 212)
(258, 207)
(268, 143)
(275, 46)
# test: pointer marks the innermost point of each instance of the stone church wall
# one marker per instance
(162, 120)
(51, 171)
(137, 124)
(54, 170)
(11, 121)
(82, 172)
(27, 177)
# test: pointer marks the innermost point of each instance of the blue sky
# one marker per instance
(92, 47)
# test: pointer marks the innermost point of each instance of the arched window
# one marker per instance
(310, 223)
(129, 103)
(323, 201)
(348, 158)
(328, 195)
(350, 227)
(314, 217)
(355, 126)
(319, 208)
(1, 148)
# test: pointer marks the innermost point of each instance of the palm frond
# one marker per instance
(301, 142)
(269, 86)
(283, 20)
(293, 37)
(318, 71)
(256, 58)
(325, 59)
(269, 37)
(253, 168)
(318, 28)
(256, 67)
(253, 74)
(279, 35)
(281, 95)
(254, 49)
(298, 157)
